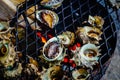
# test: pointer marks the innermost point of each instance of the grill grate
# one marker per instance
(71, 14)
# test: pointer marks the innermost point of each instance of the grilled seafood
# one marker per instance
(76, 58)
(89, 55)
(16, 71)
(89, 34)
(80, 74)
(67, 38)
(53, 73)
(7, 53)
(5, 31)
(96, 21)
(32, 61)
(51, 3)
(3, 49)
(47, 17)
(31, 67)
(53, 50)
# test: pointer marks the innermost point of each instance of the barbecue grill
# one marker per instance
(71, 15)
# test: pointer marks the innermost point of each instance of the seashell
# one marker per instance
(89, 54)
(5, 30)
(32, 61)
(80, 74)
(76, 59)
(96, 21)
(4, 27)
(53, 73)
(67, 38)
(31, 69)
(51, 3)
(53, 50)
(47, 17)
(82, 35)
(8, 58)
(4, 49)
(89, 34)
(14, 72)
(94, 33)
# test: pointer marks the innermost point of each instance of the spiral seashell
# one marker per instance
(80, 74)
(89, 54)
(89, 34)
(7, 54)
(14, 72)
(53, 73)
(67, 38)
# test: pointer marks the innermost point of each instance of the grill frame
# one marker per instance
(21, 8)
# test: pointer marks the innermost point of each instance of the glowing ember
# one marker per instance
(49, 35)
(78, 45)
(66, 60)
(43, 39)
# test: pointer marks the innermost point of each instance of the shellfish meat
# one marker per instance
(53, 50)
(47, 17)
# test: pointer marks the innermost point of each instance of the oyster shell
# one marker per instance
(47, 17)
(53, 50)
(51, 3)
(67, 38)
(89, 34)
(89, 54)
(80, 74)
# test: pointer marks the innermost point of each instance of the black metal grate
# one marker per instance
(71, 15)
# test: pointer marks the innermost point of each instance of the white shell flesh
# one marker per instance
(60, 48)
